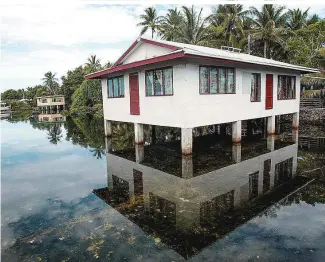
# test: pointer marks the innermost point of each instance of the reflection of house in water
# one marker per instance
(51, 118)
(189, 212)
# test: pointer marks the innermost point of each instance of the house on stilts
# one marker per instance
(185, 86)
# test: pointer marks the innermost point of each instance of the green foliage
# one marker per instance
(149, 20)
(305, 48)
(71, 82)
(10, 94)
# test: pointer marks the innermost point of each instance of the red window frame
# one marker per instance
(218, 80)
(162, 79)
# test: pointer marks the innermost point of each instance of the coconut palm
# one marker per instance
(192, 30)
(270, 35)
(268, 28)
(297, 18)
(51, 83)
(93, 63)
(98, 152)
(228, 22)
(312, 20)
(170, 24)
(269, 12)
(149, 20)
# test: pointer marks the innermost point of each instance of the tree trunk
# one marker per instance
(265, 45)
(152, 33)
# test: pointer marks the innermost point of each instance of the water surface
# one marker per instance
(69, 195)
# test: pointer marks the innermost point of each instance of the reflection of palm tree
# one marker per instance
(123, 136)
(98, 152)
(54, 134)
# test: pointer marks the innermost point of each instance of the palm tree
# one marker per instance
(150, 20)
(98, 152)
(51, 83)
(93, 63)
(268, 27)
(54, 134)
(312, 20)
(170, 24)
(192, 30)
(269, 12)
(108, 64)
(297, 19)
(228, 22)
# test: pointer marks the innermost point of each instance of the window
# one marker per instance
(253, 185)
(44, 100)
(286, 87)
(283, 172)
(115, 87)
(57, 99)
(217, 80)
(255, 87)
(159, 82)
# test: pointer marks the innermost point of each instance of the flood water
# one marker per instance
(67, 194)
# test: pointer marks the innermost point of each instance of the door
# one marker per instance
(269, 92)
(134, 94)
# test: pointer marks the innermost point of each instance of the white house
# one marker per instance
(190, 201)
(173, 84)
(47, 103)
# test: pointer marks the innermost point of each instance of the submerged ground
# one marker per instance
(58, 203)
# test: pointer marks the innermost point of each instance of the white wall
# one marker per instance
(188, 194)
(145, 51)
(187, 108)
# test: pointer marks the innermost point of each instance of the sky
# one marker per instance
(37, 37)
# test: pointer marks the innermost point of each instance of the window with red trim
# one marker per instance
(159, 82)
(115, 87)
(255, 87)
(286, 87)
(217, 80)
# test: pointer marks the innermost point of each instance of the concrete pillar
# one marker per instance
(108, 144)
(295, 136)
(139, 153)
(236, 152)
(271, 125)
(108, 128)
(187, 140)
(138, 134)
(187, 167)
(295, 120)
(270, 142)
(57, 108)
(236, 132)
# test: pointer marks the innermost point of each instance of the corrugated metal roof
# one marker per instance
(241, 57)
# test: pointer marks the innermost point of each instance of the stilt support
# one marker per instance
(187, 167)
(108, 128)
(139, 153)
(271, 125)
(187, 141)
(236, 132)
(295, 121)
(236, 152)
(138, 134)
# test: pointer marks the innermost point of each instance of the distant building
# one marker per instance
(48, 103)
(185, 86)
